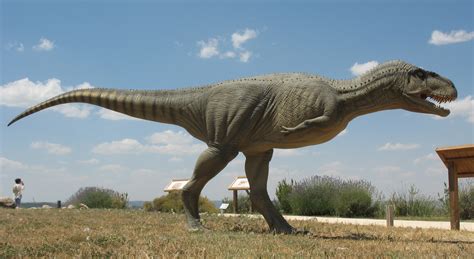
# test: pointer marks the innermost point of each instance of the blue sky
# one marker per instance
(48, 47)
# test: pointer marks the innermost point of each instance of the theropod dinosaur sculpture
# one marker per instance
(257, 114)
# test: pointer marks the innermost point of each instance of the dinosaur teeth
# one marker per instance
(437, 99)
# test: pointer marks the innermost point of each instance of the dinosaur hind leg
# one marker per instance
(256, 169)
(208, 165)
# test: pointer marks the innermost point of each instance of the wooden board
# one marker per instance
(461, 156)
(176, 185)
(240, 183)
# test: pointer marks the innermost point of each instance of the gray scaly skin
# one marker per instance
(255, 115)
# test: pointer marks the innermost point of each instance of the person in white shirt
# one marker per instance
(18, 191)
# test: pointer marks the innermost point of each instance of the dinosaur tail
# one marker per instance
(150, 105)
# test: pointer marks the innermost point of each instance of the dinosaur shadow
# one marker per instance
(368, 237)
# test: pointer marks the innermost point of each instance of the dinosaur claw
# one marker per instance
(285, 130)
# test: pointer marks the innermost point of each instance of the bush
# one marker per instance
(413, 204)
(243, 204)
(329, 196)
(356, 200)
(283, 195)
(466, 201)
(172, 202)
(95, 197)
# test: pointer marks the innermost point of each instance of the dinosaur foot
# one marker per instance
(290, 231)
(194, 225)
(303, 232)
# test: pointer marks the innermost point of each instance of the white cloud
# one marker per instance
(387, 169)
(335, 168)
(11, 165)
(237, 162)
(113, 115)
(287, 153)
(74, 110)
(124, 146)
(441, 38)
(436, 171)
(397, 146)
(44, 45)
(460, 108)
(20, 47)
(228, 54)
(171, 137)
(436, 168)
(167, 142)
(426, 158)
(175, 159)
(179, 150)
(16, 46)
(91, 161)
(144, 172)
(208, 49)
(239, 38)
(24, 93)
(51, 148)
(245, 56)
(112, 168)
(359, 69)
(391, 172)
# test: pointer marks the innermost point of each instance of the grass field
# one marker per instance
(124, 233)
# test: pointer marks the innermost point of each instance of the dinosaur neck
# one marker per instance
(367, 94)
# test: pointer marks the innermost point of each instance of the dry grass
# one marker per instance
(125, 233)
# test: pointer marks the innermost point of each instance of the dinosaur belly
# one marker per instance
(295, 140)
(308, 139)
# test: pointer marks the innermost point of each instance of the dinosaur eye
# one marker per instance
(420, 74)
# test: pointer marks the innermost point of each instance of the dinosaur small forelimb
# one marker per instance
(319, 122)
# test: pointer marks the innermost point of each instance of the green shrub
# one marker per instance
(283, 194)
(96, 197)
(172, 202)
(313, 196)
(328, 196)
(413, 204)
(355, 200)
(243, 204)
(466, 201)
(148, 206)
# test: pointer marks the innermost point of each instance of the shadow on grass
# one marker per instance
(352, 236)
(367, 237)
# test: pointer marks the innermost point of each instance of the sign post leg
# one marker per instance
(235, 202)
(453, 197)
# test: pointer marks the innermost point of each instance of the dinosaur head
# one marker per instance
(423, 91)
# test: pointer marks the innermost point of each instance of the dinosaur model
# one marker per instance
(257, 114)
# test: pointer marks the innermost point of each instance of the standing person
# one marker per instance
(18, 191)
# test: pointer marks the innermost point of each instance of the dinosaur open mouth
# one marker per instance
(434, 101)
(437, 99)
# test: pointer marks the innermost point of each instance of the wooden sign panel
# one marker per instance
(241, 183)
(176, 185)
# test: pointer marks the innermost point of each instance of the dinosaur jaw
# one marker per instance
(428, 102)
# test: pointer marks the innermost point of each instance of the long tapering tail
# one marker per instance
(150, 105)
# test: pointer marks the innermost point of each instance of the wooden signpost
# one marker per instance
(239, 184)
